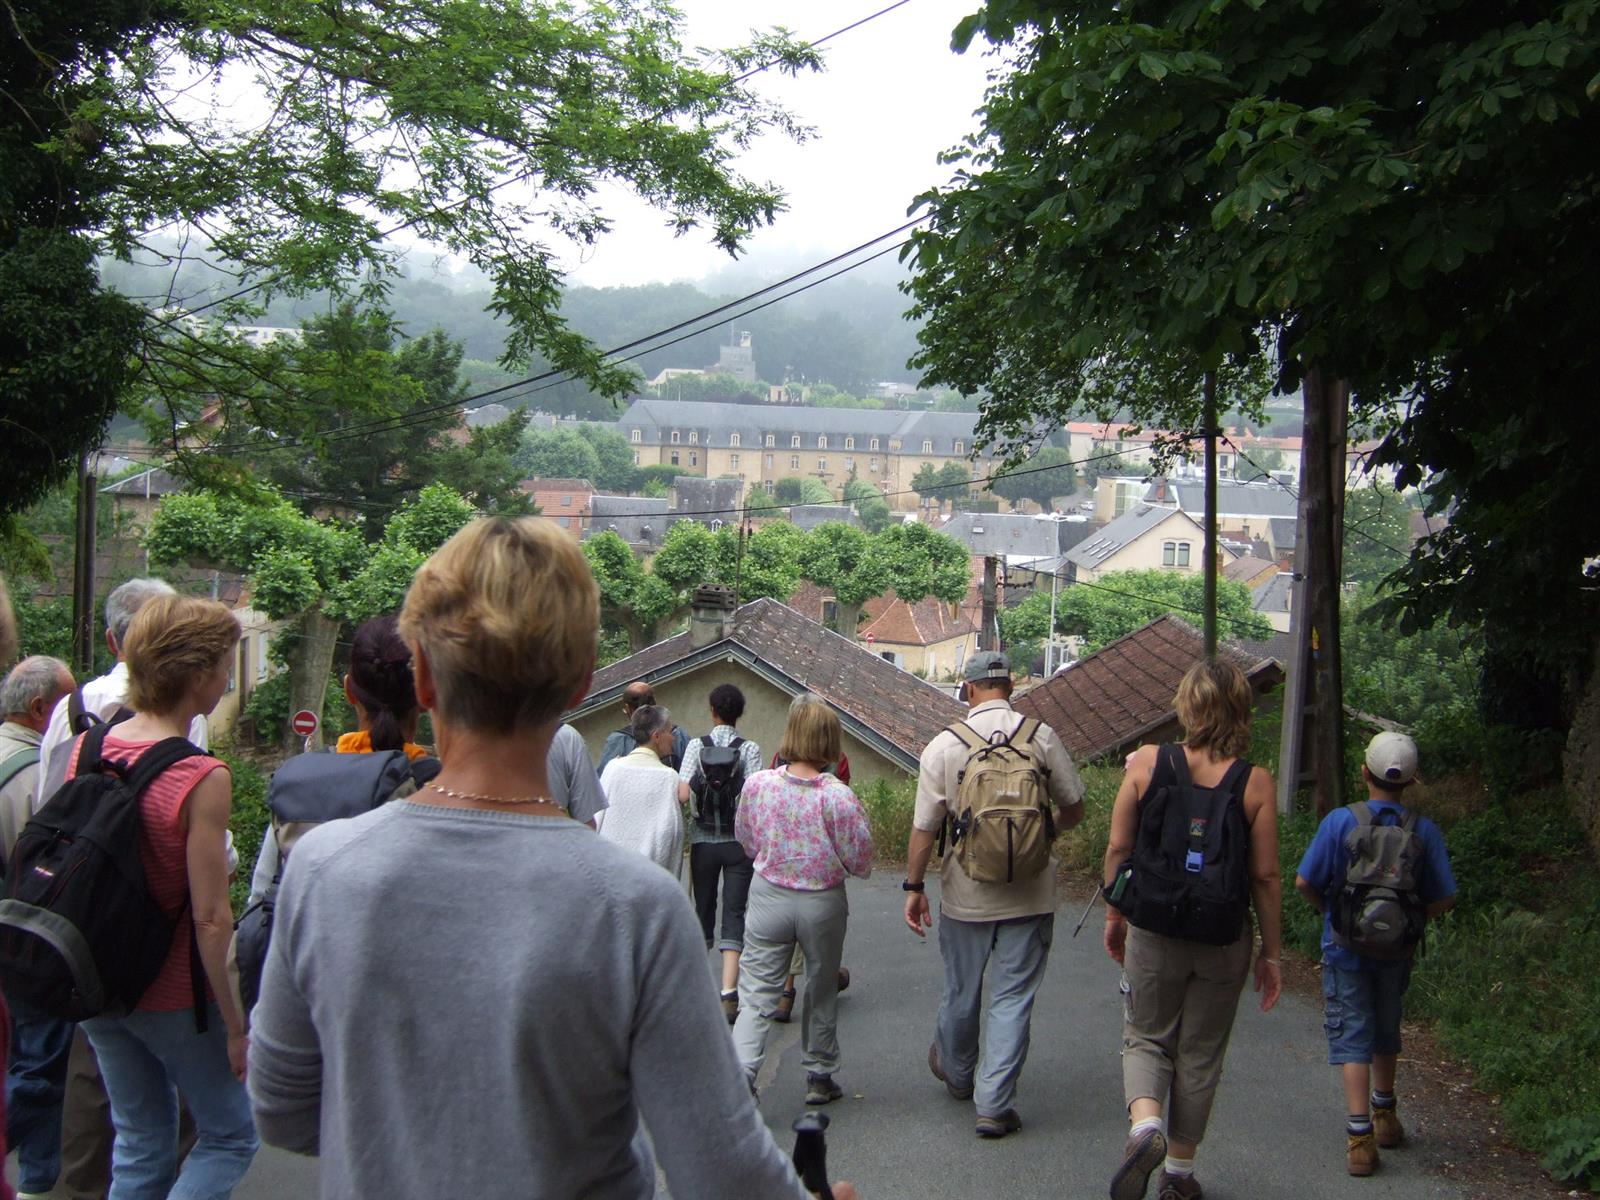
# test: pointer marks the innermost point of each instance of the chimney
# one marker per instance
(710, 615)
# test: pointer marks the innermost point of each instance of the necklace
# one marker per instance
(455, 795)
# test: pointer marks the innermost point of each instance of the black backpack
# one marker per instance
(306, 791)
(716, 785)
(80, 934)
(1189, 873)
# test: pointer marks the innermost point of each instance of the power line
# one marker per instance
(519, 177)
(1355, 529)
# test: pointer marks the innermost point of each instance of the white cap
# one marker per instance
(1392, 758)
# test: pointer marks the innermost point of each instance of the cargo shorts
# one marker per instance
(1361, 1009)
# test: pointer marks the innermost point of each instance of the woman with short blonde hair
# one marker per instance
(1184, 963)
(549, 988)
(806, 833)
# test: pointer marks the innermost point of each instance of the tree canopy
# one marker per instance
(1118, 603)
(1042, 478)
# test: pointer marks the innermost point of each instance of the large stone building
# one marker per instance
(762, 444)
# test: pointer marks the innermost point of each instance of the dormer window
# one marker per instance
(794, 441)
(674, 437)
(733, 439)
(822, 441)
(960, 448)
(694, 437)
(635, 436)
(874, 445)
(849, 443)
(769, 439)
(927, 445)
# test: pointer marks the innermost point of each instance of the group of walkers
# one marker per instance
(475, 971)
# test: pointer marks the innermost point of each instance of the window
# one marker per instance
(927, 445)
(566, 522)
(794, 462)
(769, 439)
(767, 485)
(636, 458)
(674, 437)
(960, 448)
(733, 462)
(694, 437)
(769, 460)
(716, 525)
(849, 443)
(822, 441)
(874, 445)
(694, 458)
(794, 441)
(872, 465)
(566, 502)
(822, 464)
(674, 458)
(849, 464)
(1174, 554)
(733, 439)
(635, 436)
(1183, 554)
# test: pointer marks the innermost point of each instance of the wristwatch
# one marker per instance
(908, 886)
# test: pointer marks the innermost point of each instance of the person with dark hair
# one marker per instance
(619, 742)
(711, 789)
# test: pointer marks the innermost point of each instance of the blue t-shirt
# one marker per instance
(1327, 859)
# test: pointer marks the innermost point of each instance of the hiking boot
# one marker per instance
(821, 1089)
(956, 1093)
(1362, 1156)
(844, 979)
(1140, 1157)
(998, 1127)
(730, 1006)
(1178, 1187)
(784, 1013)
(1386, 1128)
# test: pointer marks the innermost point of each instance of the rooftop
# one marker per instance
(1234, 499)
(1093, 551)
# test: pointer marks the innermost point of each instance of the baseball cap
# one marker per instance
(1392, 757)
(987, 664)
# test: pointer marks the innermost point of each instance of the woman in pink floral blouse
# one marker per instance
(807, 833)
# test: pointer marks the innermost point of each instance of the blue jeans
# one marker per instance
(1015, 953)
(146, 1058)
(36, 1082)
(1361, 1010)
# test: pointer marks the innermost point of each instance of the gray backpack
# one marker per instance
(1379, 912)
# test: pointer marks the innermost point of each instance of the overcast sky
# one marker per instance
(892, 97)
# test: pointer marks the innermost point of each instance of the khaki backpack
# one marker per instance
(1001, 823)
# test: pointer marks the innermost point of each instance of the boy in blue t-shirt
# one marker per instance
(1362, 994)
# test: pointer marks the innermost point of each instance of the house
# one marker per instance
(712, 502)
(1250, 570)
(761, 444)
(1246, 507)
(807, 517)
(773, 654)
(564, 501)
(1273, 599)
(1281, 536)
(930, 638)
(137, 496)
(641, 521)
(1121, 697)
(1145, 538)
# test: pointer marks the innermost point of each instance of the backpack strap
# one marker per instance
(18, 763)
(1170, 762)
(1235, 778)
(89, 759)
(736, 743)
(705, 740)
(1362, 812)
(164, 754)
(970, 737)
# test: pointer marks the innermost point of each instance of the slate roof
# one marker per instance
(1118, 697)
(1234, 499)
(1247, 569)
(1280, 531)
(638, 520)
(1273, 595)
(1092, 552)
(1010, 535)
(877, 702)
(809, 516)
(716, 423)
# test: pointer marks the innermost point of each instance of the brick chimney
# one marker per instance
(710, 614)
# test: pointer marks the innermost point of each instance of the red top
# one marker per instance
(163, 846)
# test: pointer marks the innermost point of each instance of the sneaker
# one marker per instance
(1362, 1156)
(956, 1093)
(730, 1006)
(821, 1089)
(784, 1013)
(998, 1127)
(1386, 1128)
(1178, 1187)
(1140, 1157)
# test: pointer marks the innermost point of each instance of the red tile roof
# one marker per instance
(925, 623)
(1122, 695)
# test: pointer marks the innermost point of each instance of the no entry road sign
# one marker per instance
(304, 722)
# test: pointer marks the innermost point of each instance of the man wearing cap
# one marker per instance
(1362, 994)
(1004, 927)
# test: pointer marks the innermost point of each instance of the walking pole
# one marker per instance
(811, 1153)
(1092, 901)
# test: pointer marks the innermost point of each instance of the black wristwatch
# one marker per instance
(907, 886)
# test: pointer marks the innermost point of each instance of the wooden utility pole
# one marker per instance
(1313, 715)
(1208, 556)
(83, 630)
(987, 638)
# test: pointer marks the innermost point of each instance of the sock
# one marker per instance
(1382, 1099)
(1180, 1168)
(1359, 1123)
(1140, 1128)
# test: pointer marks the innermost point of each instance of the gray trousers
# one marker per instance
(1014, 953)
(776, 921)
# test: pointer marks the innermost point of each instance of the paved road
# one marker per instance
(1276, 1130)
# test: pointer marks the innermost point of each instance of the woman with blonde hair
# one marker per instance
(1194, 846)
(468, 993)
(806, 833)
(179, 654)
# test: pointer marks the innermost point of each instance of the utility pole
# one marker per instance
(987, 640)
(1313, 714)
(1208, 557)
(83, 630)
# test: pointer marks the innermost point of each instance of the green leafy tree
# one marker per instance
(614, 470)
(955, 485)
(1025, 627)
(658, 475)
(1377, 533)
(871, 507)
(559, 453)
(802, 489)
(1260, 465)
(845, 561)
(1118, 603)
(1040, 478)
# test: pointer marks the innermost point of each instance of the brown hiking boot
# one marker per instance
(999, 1126)
(1362, 1156)
(1140, 1157)
(1178, 1187)
(934, 1065)
(1386, 1128)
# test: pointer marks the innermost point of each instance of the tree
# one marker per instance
(614, 470)
(1377, 533)
(802, 489)
(927, 484)
(317, 574)
(558, 453)
(1026, 627)
(1118, 603)
(365, 120)
(871, 508)
(1041, 478)
(1260, 465)
(845, 561)
(955, 482)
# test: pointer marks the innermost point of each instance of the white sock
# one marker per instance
(1140, 1128)
(1180, 1168)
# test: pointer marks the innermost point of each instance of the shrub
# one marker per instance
(889, 806)
(248, 821)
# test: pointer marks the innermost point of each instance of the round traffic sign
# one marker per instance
(871, 639)
(304, 722)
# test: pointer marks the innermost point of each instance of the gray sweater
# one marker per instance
(463, 1003)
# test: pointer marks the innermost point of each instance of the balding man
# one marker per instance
(36, 1075)
(620, 742)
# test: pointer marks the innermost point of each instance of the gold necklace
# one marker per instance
(455, 795)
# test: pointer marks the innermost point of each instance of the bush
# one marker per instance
(248, 821)
(889, 806)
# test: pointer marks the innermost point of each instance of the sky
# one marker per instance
(892, 96)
